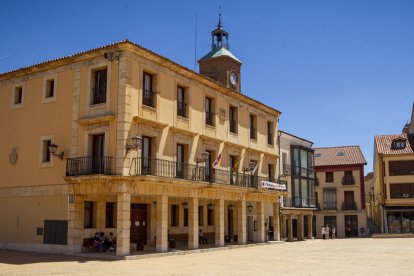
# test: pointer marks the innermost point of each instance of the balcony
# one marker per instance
(299, 202)
(349, 206)
(177, 170)
(329, 205)
(348, 180)
(88, 165)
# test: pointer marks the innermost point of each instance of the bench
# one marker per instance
(88, 245)
(182, 238)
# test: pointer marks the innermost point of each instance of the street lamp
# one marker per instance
(136, 143)
(210, 206)
(53, 148)
(250, 207)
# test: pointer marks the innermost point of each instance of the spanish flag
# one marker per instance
(217, 161)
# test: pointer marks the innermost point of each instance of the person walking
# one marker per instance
(327, 232)
(333, 232)
(323, 232)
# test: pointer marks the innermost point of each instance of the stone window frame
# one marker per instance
(46, 79)
(41, 149)
(13, 95)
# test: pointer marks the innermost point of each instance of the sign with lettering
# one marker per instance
(273, 186)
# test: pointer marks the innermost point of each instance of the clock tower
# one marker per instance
(220, 64)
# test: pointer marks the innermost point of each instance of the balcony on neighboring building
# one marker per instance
(329, 205)
(349, 206)
(88, 165)
(198, 173)
(348, 180)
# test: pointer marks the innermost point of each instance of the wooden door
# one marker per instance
(139, 223)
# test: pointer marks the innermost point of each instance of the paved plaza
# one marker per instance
(314, 257)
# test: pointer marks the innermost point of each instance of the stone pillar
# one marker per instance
(123, 224)
(290, 233)
(193, 223)
(310, 225)
(153, 224)
(276, 221)
(241, 222)
(283, 228)
(75, 223)
(219, 222)
(301, 228)
(161, 244)
(260, 222)
(100, 212)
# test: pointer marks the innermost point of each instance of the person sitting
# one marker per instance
(201, 237)
(99, 240)
(110, 242)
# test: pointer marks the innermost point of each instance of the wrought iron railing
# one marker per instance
(209, 118)
(329, 205)
(171, 169)
(348, 180)
(88, 165)
(148, 98)
(349, 205)
(181, 109)
(99, 95)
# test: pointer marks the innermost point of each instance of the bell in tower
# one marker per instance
(220, 64)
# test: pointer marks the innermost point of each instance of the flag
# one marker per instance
(255, 168)
(217, 161)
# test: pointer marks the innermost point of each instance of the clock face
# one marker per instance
(233, 78)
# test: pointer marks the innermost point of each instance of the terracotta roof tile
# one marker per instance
(334, 156)
(383, 144)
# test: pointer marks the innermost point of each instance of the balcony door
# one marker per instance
(98, 142)
(349, 198)
(146, 156)
(180, 161)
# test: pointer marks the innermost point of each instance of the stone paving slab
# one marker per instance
(313, 257)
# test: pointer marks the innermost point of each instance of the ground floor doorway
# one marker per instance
(351, 226)
(139, 223)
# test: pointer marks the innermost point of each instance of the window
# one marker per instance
(233, 119)
(405, 167)
(99, 86)
(50, 88)
(270, 172)
(398, 144)
(208, 168)
(46, 154)
(210, 217)
(110, 215)
(329, 199)
(147, 166)
(209, 112)
(233, 169)
(349, 202)
(181, 106)
(18, 95)
(348, 178)
(303, 163)
(270, 133)
(253, 125)
(174, 215)
(88, 215)
(200, 215)
(329, 177)
(405, 190)
(148, 92)
(185, 217)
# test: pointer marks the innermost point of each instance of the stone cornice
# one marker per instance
(96, 120)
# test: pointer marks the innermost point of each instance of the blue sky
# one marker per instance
(340, 71)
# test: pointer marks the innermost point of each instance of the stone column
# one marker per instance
(153, 224)
(219, 222)
(193, 223)
(241, 222)
(276, 221)
(283, 228)
(100, 212)
(123, 224)
(290, 233)
(310, 225)
(161, 244)
(260, 222)
(75, 223)
(301, 228)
